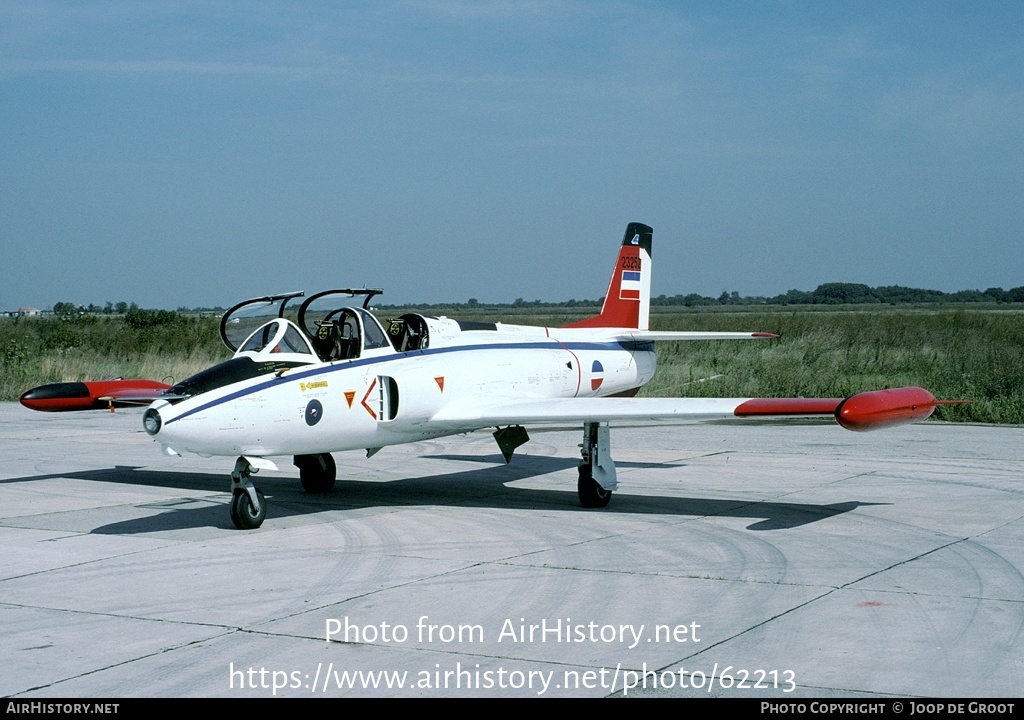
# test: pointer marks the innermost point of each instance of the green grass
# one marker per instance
(35, 351)
(957, 353)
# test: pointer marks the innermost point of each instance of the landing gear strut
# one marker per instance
(248, 506)
(597, 477)
(316, 472)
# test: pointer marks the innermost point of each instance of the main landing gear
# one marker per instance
(248, 506)
(316, 472)
(597, 477)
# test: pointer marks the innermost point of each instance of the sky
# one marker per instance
(185, 154)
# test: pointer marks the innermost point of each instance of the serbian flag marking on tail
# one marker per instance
(596, 375)
(629, 289)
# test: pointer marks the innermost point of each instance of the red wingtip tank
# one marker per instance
(885, 408)
(65, 397)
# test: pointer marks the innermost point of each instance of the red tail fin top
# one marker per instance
(628, 300)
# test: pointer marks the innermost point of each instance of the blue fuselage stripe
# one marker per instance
(359, 362)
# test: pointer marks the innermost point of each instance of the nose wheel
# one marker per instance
(248, 507)
(245, 514)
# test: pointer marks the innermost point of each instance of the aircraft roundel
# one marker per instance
(314, 411)
(596, 375)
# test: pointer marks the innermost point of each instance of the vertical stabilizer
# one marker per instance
(627, 303)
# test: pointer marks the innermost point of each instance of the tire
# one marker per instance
(317, 473)
(590, 493)
(243, 515)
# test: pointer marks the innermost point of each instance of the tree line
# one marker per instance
(825, 294)
(850, 294)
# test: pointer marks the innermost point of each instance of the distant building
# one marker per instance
(28, 312)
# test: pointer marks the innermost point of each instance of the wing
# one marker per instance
(865, 411)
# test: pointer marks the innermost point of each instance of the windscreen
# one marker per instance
(239, 322)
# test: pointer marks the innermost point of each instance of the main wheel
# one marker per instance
(591, 494)
(316, 472)
(243, 514)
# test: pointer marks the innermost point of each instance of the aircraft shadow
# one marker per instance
(554, 462)
(477, 487)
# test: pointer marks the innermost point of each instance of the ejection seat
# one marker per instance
(408, 332)
(327, 341)
(339, 339)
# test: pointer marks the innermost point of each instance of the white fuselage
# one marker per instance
(385, 397)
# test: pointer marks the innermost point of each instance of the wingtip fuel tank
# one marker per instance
(878, 409)
(69, 396)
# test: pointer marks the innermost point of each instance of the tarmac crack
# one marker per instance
(116, 616)
(84, 563)
(806, 603)
(123, 663)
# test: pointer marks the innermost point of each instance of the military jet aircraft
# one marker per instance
(330, 377)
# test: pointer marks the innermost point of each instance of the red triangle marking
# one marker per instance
(369, 409)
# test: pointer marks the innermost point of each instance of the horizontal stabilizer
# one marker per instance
(659, 336)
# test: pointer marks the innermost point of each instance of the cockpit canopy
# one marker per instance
(327, 326)
(266, 337)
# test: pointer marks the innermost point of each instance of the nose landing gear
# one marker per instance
(248, 506)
